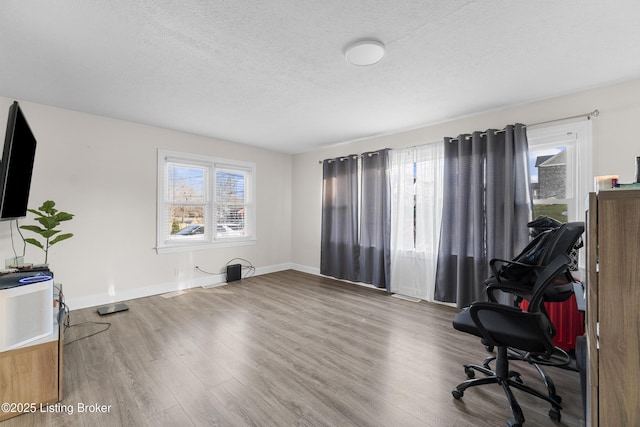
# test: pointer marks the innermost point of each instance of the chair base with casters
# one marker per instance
(515, 334)
(507, 379)
(560, 359)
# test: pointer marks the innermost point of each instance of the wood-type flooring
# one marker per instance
(283, 349)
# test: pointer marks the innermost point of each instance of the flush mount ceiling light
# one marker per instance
(365, 52)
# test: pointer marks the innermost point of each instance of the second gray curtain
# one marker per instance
(355, 238)
(486, 208)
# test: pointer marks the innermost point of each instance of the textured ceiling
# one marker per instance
(272, 73)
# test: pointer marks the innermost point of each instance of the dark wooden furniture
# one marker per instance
(613, 308)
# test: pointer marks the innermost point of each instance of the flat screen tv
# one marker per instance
(17, 164)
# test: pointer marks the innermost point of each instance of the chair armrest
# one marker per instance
(515, 289)
(545, 278)
(545, 272)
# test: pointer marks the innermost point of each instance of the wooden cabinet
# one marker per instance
(32, 375)
(613, 308)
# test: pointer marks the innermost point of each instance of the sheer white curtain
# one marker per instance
(416, 215)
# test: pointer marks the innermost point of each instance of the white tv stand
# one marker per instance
(31, 375)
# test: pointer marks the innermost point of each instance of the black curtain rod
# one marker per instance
(594, 113)
(354, 156)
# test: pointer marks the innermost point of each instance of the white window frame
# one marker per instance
(209, 239)
(577, 137)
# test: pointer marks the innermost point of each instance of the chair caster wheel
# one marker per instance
(457, 394)
(516, 377)
(471, 374)
(512, 422)
(554, 414)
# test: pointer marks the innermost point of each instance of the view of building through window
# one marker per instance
(548, 170)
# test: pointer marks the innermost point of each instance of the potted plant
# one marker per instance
(49, 218)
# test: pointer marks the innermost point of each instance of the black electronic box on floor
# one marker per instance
(234, 272)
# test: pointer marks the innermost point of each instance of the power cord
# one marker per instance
(13, 244)
(249, 268)
(63, 306)
(67, 320)
(108, 325)
(203, 271)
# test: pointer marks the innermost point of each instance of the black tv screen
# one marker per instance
(16, 166)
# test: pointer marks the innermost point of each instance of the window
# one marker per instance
(416, 214)
(560, 170)
(204, 202)
(551, 185)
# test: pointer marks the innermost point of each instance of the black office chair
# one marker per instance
(504, 327)
(517, 277)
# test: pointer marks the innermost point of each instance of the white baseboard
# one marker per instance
(274, 268)
(316, 272)
(207, 281)
(305, 269)
(161, 288)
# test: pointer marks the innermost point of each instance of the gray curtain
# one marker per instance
(339, 248)
(375, 220)
(486, 208)
(355, 240)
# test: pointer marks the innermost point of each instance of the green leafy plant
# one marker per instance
(49, 218)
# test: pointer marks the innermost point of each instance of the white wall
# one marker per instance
(616, 144)
(104, 171)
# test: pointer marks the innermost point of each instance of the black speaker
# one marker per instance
(234, 272)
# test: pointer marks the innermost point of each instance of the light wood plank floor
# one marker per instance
(284, 349)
